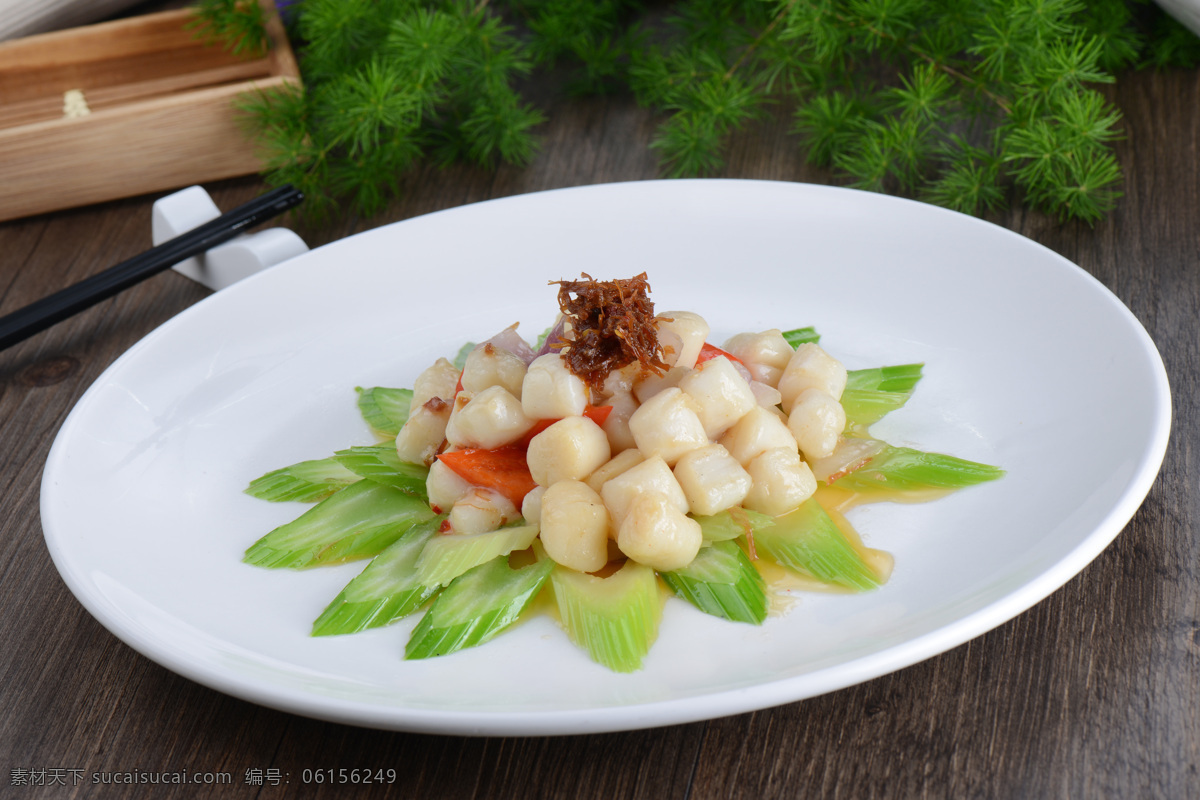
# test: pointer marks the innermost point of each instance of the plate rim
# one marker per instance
(665, 712)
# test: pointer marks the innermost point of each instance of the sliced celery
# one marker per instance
(380, 463)
(731, 523)
(460, 358)
(357, 522)
(801, 336)
(865, 407)
(615, 618)
(896, 378)
(808, 541)
(383, 592)
(447, 557)
(479, 604)
(306, 482)
(904, 469)
(871, 394)
(721, 581)
(385, 410)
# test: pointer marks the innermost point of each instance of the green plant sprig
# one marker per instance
(240, 25)
(388, 84)
(970, 104)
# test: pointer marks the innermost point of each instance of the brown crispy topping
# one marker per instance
(612, 325)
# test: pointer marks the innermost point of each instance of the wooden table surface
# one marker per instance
(1093, 693)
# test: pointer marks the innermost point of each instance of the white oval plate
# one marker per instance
(1031, 364)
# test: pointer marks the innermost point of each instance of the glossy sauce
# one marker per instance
(782, 584)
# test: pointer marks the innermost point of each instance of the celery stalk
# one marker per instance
(357, 522)
(385, 410)
(476, 606)
(380, 463)
(305, 482)
(447, 557)
(731, 523)
(866, 407)
(615, 618)
(801, 336)
(896, 378)
(873, 393)
(460, 358)
(808, 541)
(721, 581)
(383, 592)
(905, 469)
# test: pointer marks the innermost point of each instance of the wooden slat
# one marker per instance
(27, 17)
(146, 33)
(162, 108)
(108, 54)
(128, 150)
(50, 107)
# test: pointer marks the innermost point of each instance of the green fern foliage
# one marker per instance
(239, 24)
(389, 83)
(969, 104)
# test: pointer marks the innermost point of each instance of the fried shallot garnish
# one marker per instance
(612, 325)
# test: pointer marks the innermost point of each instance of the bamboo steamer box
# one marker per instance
(125, 108)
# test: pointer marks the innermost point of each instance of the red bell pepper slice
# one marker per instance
(596, 414)
(503, 470)
(712, 351)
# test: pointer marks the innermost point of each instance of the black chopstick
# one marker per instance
(41, 314)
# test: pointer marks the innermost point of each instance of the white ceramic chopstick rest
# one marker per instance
(227, 263)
